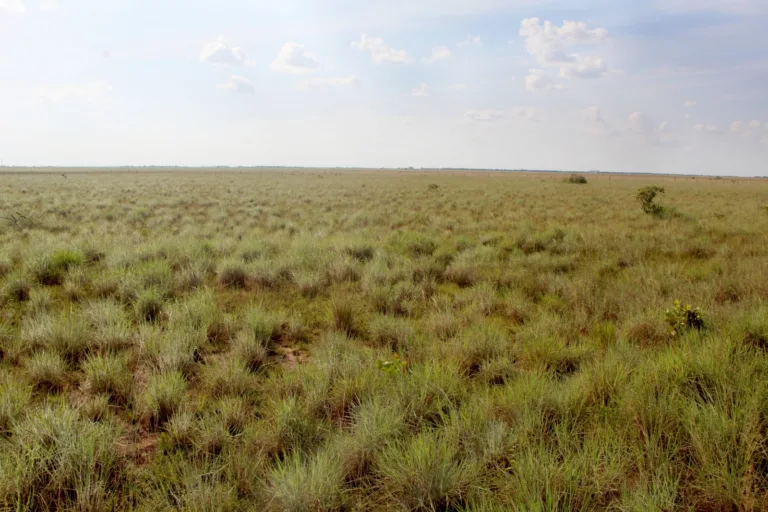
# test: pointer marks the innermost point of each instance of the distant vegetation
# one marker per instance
(578, 179)
(379, 341)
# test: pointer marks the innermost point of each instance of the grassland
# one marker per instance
(308, 341)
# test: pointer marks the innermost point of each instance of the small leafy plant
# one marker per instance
(392, 366)
(646, 196)
(683, 317)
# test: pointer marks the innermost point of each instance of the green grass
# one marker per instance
(324, 340)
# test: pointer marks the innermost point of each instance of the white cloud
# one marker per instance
(218, 52)
(689, 104)
(460, 87)
(339, 81)
(294, 58)
(12, 6)
(380, 52)
(90, 92)
(551, 45)
(471, 41)
(485, 115)
(421, 91)
(239, 84)
(755, 124)
(438, 53)
(706, 128)
(585, 67)
(737, 126)
(536, 80)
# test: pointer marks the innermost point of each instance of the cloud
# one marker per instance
(749, 129)
(471, 41)
(380, 52)
(438, 53)
(706, 128)
(585, 67)
(689, 104)
(16, 6)
(89, 92)
(294, 58)
(421, 91)
(339, 81)
(217, 52)
(460, 87)
(551, 45)
(239, 84)
(536, 80)
(485, 115)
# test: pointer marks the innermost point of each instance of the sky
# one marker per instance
(674, 86)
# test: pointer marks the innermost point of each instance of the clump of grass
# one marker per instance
(47, 371)
(67, 333)
(50, 270)
(162, 397)
(301, 483)
(227, 377)
(15, 290)
(15, 397)
(424, 473)
(250, 350)
(108, 374)
(345, 317)
(57, 460)
(149, 305)
(233, 275)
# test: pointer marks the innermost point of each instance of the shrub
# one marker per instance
(682, 318)
(578, 179)
(646, 196)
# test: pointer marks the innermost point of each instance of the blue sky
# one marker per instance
(655, 86)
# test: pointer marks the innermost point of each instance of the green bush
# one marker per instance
(646, 196)
(577, 179)
(682, 318)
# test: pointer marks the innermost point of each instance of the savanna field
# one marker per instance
(336, 340)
